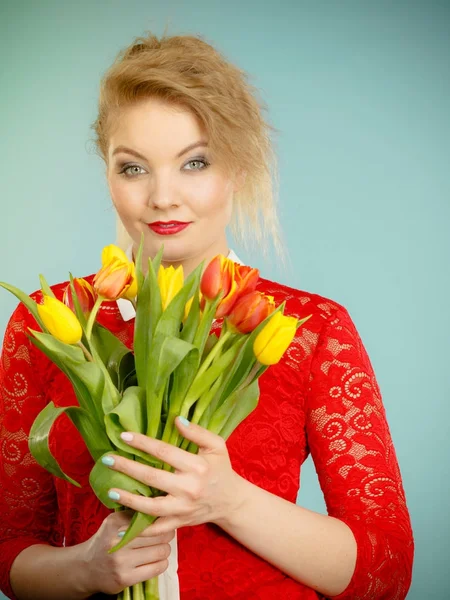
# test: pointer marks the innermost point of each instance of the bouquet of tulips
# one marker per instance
(177, 367)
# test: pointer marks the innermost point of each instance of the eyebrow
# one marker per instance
(141, 156)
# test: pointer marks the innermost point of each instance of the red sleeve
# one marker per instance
(355, 460)
(27, 500)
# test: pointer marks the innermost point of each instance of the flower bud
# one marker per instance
(251, 310)
(170, 282)
(60, 320)
(274, 338)
(246, 279)
(85, 294)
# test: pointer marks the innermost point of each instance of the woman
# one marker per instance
(186, 151)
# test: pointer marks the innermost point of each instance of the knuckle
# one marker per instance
(162, 566)
(165, 551)
(201, 468)
(195, 491)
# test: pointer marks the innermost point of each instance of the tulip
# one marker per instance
(109, 253)
(170, 282)
(274, 338)
(246, 279)
(219, 277)
(216, 278)
(85, 294)
(115, 279)
(251, 310)
(60, 320)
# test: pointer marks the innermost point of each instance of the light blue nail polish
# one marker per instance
(108, 461)
(113, 495)
(121, 533)
(185, 422)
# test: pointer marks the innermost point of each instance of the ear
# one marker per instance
(239, 180)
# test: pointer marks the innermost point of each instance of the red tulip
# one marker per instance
(85, 294)
(216, 277)
(246, 279)
(251, 310)
(219, 277)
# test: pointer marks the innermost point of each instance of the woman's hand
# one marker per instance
(143, 558)
(203, 488)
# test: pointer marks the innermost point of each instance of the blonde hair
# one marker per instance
(187, 71)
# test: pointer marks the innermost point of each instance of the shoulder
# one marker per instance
(301, 303)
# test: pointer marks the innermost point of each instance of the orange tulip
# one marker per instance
(85, 294)
(114, 280)
(251, 310)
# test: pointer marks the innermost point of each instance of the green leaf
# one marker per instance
(79, 313)
(191, 324)
(86, 377)
(166, 354)
(204, 382)
(93, 434)
(45, 287)
(172, 351)
(234, 410)
(102, 479)
(204, 328)
(139, 522)
(38, 440)
(139, 274)
(171, 319)
(141, 331)
(158, 258)
(25, 299)
(114, 354)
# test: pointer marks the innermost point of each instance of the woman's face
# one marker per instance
(157, 177)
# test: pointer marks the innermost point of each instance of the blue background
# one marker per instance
(360, 93)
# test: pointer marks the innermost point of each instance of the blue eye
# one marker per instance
(197, 161)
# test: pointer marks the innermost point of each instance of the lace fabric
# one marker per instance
(322, 398)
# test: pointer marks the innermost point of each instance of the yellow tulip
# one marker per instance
(112, 251)
(274, 339)
(60, 320)
(170, 282)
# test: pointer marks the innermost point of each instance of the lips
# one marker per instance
(167, 227)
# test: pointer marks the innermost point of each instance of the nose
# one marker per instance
(163, 193)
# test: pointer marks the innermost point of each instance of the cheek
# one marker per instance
(127, 198)
(214, 196)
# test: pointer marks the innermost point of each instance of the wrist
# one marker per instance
(237, 498)
(84, 581)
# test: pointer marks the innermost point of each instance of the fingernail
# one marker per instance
(121, 533)
(108, 461)
(184, 421)
(126, 436)
(113, 495)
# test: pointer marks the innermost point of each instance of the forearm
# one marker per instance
(317, 550)
(42, 572)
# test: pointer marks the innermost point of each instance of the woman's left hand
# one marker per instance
(202, 489)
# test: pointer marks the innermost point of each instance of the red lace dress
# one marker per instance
(322, 398)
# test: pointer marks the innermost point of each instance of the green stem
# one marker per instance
(214, 352)
(151, 589)
(86, 352)
(92, 316)
(202, 404)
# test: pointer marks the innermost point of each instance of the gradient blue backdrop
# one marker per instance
(360, 92)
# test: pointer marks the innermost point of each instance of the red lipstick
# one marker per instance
(167, 227)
